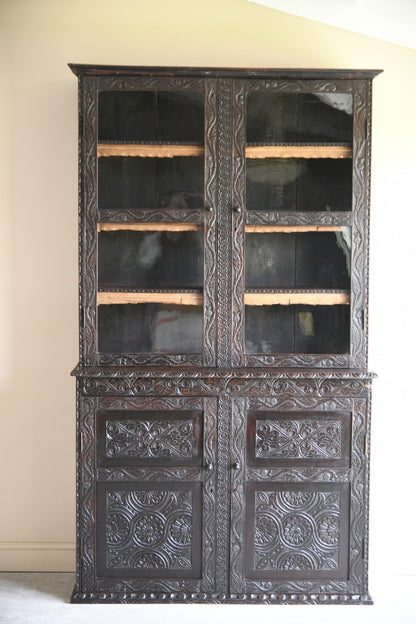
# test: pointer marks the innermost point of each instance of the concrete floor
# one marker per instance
(43, 598)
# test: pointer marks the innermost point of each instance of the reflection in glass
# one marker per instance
(149, 328)
(299, 118)
(298, 260)
(151, 259)
(148, 116)
(127, 183)
(318, 184)
(297, 329)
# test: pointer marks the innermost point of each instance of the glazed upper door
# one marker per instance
(148, 221)
(300, 220)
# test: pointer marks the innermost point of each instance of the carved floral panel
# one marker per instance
(149, 530)
(161, 438)
(299, 438)
(298, 532)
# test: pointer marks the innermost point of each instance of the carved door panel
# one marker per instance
(298, 500)
(154, 494)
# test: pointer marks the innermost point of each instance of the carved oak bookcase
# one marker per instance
(223, 391)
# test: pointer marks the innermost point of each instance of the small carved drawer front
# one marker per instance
(149, 529)
(143, 438)
(306, 438)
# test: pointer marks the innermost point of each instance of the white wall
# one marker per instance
(38, 238)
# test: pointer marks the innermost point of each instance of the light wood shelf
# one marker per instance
(174, 298)
(148, 151)
(252, 151)
(296, 298)
(143, 227)
(287, 229)
(298, 151)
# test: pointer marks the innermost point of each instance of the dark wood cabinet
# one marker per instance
(223, 391)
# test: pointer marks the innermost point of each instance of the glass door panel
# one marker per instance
(297, 277)
(151, 268)
(318, 184)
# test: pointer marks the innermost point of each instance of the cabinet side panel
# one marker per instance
(89, 212)
(360, 231)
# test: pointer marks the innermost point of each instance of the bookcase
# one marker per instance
(223, 396)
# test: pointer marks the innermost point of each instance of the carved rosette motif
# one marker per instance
(298, 439)
(296, 530)
(148, 529)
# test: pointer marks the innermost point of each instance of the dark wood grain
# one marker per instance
(222, 476)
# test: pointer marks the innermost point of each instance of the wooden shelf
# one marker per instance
(252, 151)
(148, 150)
(288, 229)
(298, 151)
(143, 227)
(296, 298)
(175, 298)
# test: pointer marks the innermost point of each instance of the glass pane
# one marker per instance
(297, 329)
(128, 183)
(318, 184)
(299, 118)
(150, 259)
(149, 328)
(298, 260)
(149, 116)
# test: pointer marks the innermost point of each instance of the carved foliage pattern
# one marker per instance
(209, 546)
(359, 251)
(151, 216)
(210, 274)
(148, 529)
(239, 212)
(298, 439)
(303, 391)
(89, 209)
(86, 495)
(258, 217)
(166, 83)
(162, 438)
(296, 530)
(238, 454)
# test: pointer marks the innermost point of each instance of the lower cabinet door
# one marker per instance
(299, 497)
(154, 497)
